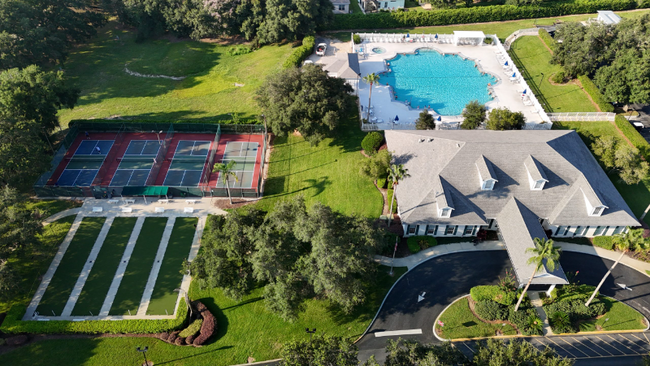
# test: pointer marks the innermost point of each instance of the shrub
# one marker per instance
(561, 323)
(487, 40)
(604, 242)
(381, 182)
(239, 50)
(479, 14)
(300, 53)
(417, 243)
(208, 327)
(493, 293)
(357, 39)
(634, 136)
(501, 119)
(547, 39)
(192, 329)
(425, 121)
(595, 93)
(372, 142)
(473, 115)
(558, 77)
(490, 310)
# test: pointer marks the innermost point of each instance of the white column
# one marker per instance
(550, 289)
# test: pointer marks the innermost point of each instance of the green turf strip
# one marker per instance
(101, 276)
(57, 293)
(137, 271)
(170, 276)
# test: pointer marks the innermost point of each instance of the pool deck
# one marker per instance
(506, 93)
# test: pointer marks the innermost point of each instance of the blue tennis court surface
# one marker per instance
(85, 163)
(187, 164)
(136, 164)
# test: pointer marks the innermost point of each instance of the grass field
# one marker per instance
(328, 173)
(533, 60)
(460, 322)
(207, 91)
(50, 207)
(169, 278)
(137, 271)
(101, 276)
(501, 29)
(621, 317)
(31, 268)
(245, 328)
(637, 196)
(57, 293)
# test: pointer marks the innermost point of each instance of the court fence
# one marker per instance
(45, 187)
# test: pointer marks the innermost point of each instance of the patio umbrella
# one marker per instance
(408, 35)
(514, 74)
(524, 92)
(436, 35)
(396, 118)
(506, 64)
(439, 118)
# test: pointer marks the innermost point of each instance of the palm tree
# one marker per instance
(395, 174)
(543, 253)
(370, 79)
(225, 171)
(632, 239)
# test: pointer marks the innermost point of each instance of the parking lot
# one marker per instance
(591, 346)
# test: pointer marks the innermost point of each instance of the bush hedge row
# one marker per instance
(547, 39)
(13, 323)
(595, 94)
(300, 53)
(604, 242)
(634, 136)
(492, 310)
(481, 14)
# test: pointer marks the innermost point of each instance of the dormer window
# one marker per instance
(538, 185)
(488, 185)
(536, 176)
(598, 211)
(486, 175)
(445, 212)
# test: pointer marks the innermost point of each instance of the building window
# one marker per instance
(578, 231)
(600, 230)
(385, 5)
(598, 211)
(341, 7)
(566, 231)
(488, 185)
(618, 229)
(446, 212)
(560, 230)
(468, 230)
(538, 184)
(451, 230)
(412, 229)
(431, 229)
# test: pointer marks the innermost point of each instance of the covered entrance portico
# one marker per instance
(519, 227)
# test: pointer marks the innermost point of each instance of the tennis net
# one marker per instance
(87, 158)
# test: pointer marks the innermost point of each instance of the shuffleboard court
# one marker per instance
(244, 154)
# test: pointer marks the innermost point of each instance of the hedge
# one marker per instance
(595, 94)
(634, 136)
(14, 324)
(479, 14)
(604, 242)
(417, 243)
(493, 293)
(372, 142)
(300, 53)
(547, 39)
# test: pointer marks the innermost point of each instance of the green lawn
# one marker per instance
(501, 29)
(137, 271)
(618, 317)
(50, 207)
(163, 298)
(328, 173)
(354, 6)
(31, 268)
(245, 329)
(460, 322)
(101, 276)
(533, 60)
(58, 291)
(637, 196)
(208, 91)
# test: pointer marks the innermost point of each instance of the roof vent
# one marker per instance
(457, 145)
(421, 140)
(430, 139)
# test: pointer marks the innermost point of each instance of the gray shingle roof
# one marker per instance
(534, 169)
(451, 155)
(519, 228)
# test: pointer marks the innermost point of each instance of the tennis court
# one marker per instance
(188, 163)
(136, 163)
(82, 168)
(245, 155)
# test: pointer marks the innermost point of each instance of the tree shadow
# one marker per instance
(222, 319)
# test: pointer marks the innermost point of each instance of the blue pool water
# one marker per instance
(445, 83)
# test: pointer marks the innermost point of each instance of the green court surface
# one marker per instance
(136, 164)
(187, 164)
(57, 293)
(85, 164)
(101, 276)
(137, 271)
(170, 276)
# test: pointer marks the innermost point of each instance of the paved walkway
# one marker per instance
(172, 208)
(83, 276)
(153, 275)
(537, 304)
(62, 214)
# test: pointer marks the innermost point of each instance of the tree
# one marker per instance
(226, 172)
(41, 32)
(622, 158)
(376, 166)
(425, 121)
(503, 119)
(583, 48)
(306, 100)
(23, 153)
(370, 79)
(544, 254)
(515, 353)
(395, 174)
(473, 115)
(320, 350)
(624, 242)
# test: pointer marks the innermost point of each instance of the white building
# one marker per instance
(341, 6)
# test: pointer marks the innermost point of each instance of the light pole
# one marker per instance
(541, 80)
(394, 251)
(311, 332)
(144, 353)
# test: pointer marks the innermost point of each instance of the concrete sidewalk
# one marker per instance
(415, 259)
(61, 214)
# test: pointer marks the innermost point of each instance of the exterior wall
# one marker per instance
(391, 4)
(440, 231)
(346, 8)
(590, 233)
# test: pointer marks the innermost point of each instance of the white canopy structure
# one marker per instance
(469, 37)
(608, 17)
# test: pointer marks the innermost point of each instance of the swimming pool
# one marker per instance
(444, 83)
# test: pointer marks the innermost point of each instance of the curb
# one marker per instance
(439, 315)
